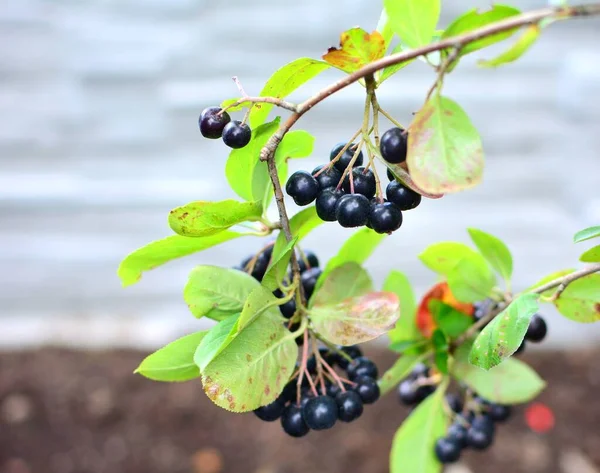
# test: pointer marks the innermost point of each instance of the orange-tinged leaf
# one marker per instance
(357, 49)
(442, 293)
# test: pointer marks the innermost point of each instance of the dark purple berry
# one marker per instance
(499, 412)
(309, 280)
(289, 392)
(320, 413)
(361, 366)
(211, 123)
(350, 406)
(394, 145)
(421, 370)
(402, 196)
(447, 450)
(327, 203)
(458, 433)
(288, 309)
(367, 388)
(330, 177)
(270, 412)
(352, 210)
(390, 175)
(521, 348)
(454, 402)
(483, 422)
(363, 182)
(385, 217)
(292, 421)
(236, 134)
(261, 264)
(302, 187)
(310, 258)
(537, 329)
(344, 161)
(353, 352)
(479, 439)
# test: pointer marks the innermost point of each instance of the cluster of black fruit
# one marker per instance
(321, 412)
(536, 332)
(214, 123)
(352, 202)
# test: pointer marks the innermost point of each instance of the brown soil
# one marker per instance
(81, 412)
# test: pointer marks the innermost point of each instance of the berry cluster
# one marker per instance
(342, 401)
(215, 123)
(349, 196)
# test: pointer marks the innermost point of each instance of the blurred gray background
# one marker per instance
(99, 102)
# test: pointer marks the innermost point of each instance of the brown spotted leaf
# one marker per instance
(253, 368)
(444, 148)
(342, 282)
(580, 301)
(357, 49)
(357, 319)
(503, 336)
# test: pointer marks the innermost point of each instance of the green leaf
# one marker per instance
(444, 148)
(406, 327)
(400, 370)
(520, 47)
(413, 444)
(162, 251)
(504, 334)
(173, 362)
(259, 302)
(216, 293)
(217, 339)
(441, 361)
(439, 340)
(301, 225)
(253, 368)
(201, 218)
(345, 281)
(295, 144)
(283, 82)
(471, 280)
(591, 256)
(587, 234)
(408, 346)
(444, 257)
(357, 49)
(494, 251)
(451, 321)
(473, 20)
(228, 102)
(414, 21)
(277, 271)
(580, 301)
(356, 320)
(389, 71)
(244, 162)
(512, 382)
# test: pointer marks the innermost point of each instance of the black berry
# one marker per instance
(447, 450)
(327, 202)
(363, 182)
(353, 352)
(385, 217)
(390, 175)
(352, 210)
(454, 402)
(270, 412)
(411, 393)
(402, 196)
(342, 163)
(479, 439)
(367, 389)
(361, 366)
(521, 348)
(330, 177)
(309, 280)
(393, 145)
(289, 392)
(261, 264)
(350, 406)
(236, 134)
(302, 187)
(288, 309)
(292, 421)
(499, 412)
(421, 370)
(458, 433)
(320, 413)
(310, 258)
(537, 329)
(211, 123)
(483, 422)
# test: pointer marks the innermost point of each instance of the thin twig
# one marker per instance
(292, 107)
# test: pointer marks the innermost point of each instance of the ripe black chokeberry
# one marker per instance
(499, 412)
(236, 134)
(302, 187)
(330, 177)
(421, 370)
(361, 366)
(411, 393)
(327, 202)
(402, 196)
(309, 280)
(362, 181)
(483, 422)
(350, 406)
(310, 258)
(390, 175)
(289, 392)
(454, 402)
(342, 163)
(352, 210)
(479, 439)
(211, 123)
(292, 421)
(521, 348)
(353, 352)
(288, 309)
(260, 264)
(385, 217)
(320, 413)
(537, 329)
(393, 145)
(367, 388)
(270, 412)
(447, 450)
(458, 433)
